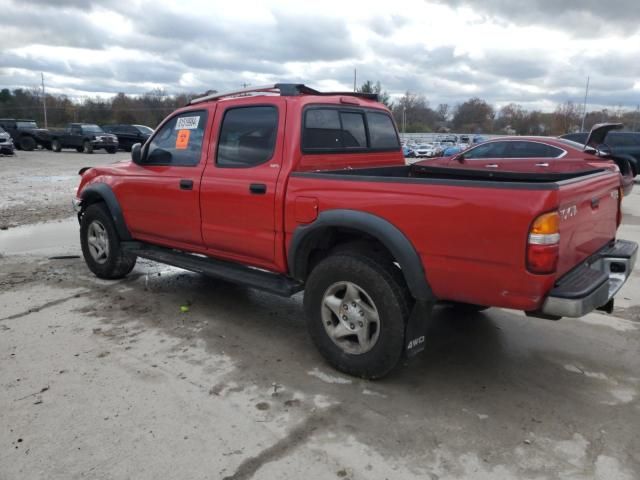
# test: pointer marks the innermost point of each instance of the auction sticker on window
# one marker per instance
(182, 140)
(187, 123)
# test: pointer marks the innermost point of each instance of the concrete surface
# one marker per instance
(109, 380)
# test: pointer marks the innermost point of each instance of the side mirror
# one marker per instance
(460, 158)
(136, 153)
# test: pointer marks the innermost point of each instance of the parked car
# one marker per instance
(84, 137)
(408, 152)
(622, 144)
(25, 133)
(452, 150)
(6, 143)
(334, 211)
(426, 150)
(541, 155)
(129, 135)
(477, 139)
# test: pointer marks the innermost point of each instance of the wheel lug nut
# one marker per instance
(353, 304)
(345, 307)
(361, 313)
(344, 317)
(360, 324)
(352, 326)
(329, 323)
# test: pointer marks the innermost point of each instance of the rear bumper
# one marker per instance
(593, 283)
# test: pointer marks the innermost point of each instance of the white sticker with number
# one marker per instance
(187, 123)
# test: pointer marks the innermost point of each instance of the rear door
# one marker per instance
(528, 156)
(238, 190)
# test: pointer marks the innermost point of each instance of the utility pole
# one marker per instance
(404, 121)
(636, 118)
(355, 75)
(584, 112)
(44, 101)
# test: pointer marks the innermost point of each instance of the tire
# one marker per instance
(101, 245)
(468, 308)
(27, 143)
(370, 288)
(79, 149)
(56, 146)
(111, 149)
(87, 147)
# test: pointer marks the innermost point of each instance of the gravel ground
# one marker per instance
(38, 186)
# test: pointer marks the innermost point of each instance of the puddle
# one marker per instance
(61, 236)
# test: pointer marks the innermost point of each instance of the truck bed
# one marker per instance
(471, 228)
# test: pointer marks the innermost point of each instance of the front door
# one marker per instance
(238, 196)
(160, 197)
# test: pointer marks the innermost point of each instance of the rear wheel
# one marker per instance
(27, 143)
(87, 147)
(356, 314)
(56, 146)
(101, 246)
(79, 149)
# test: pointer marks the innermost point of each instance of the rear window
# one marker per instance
(335, 130)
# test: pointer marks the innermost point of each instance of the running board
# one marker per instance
(232, 272)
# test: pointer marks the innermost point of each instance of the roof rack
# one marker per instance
(284, 89)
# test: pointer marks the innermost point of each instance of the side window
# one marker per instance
(179, 141)
(531, 150)
(76, 130)
(382, 132)
(247, 137)
(486, 150)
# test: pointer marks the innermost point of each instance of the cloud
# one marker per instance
(445, 50)
(580, 17)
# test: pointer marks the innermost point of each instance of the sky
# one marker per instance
(536, 53)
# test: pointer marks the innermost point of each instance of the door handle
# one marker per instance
(491, 165)
(542, 164)
(258, 188)
(186, 184)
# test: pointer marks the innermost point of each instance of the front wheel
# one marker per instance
(56, 146)
(87, 147)
(356, 314)
(100, 244)
(27, 143)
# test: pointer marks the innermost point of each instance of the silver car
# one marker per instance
(6, 143)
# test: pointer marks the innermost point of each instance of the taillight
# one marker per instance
(543, 244)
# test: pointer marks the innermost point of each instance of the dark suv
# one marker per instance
(25, 133)
(625, 144)
(129, 135)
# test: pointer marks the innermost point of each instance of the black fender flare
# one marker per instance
(382, 230)
(97, 192)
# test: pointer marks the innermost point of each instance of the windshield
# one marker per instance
(92, 129)
(144, 129)
(26, 125)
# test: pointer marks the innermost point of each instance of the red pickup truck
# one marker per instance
(284, 188)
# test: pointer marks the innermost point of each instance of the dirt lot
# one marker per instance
(113, 380)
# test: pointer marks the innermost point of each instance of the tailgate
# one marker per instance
(588, 208)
